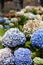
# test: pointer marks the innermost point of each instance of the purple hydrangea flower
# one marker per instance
(13, 37)
(22, 56)
(37, 38)
(6, 57)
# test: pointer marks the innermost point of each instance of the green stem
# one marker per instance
(41, 53)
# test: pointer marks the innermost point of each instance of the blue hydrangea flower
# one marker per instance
(37, 38)
(7, 26)
(22, 56)
(6, 57)
(7, 21)
(13, 37)
(2, 20)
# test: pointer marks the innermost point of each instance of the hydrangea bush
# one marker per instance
(30, 19)
(22, 56)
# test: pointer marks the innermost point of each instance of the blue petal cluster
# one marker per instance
(6, 57)
(7, 26)
(37, 38)
(22, 56)
(2, 20)
(13, 37)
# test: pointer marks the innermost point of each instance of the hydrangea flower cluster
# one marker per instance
(11, 24)
(31, 26)
(2, 20)
(23, 10)
(34, 9)
(14, 20)
(20, 13)
(29, 15)
(6, 57)
(22, 56)
(38, 17)
(38, 61)
(37, 38)
(7, 26)
(13, 37)
(28, 8)
(7, 21)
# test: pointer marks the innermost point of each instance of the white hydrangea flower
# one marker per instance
(14, 20)
(26, 15)
(11, 24)
(38, 17)
(38, 61)
(24, 10)
(42, 9)
(28, 8)
(20, 13)
(29, 15)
